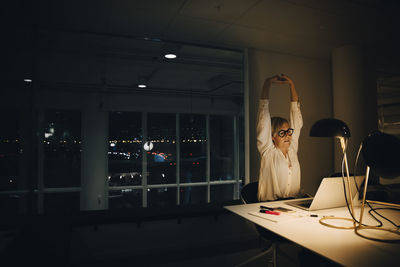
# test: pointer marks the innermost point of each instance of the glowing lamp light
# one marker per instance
(142, 86)
(27, 80)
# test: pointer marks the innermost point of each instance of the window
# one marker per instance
(9, 151)
(13, 184)
(150, 168)
(93, 139)
(62, 144)
(388, 96)
(61, 164)
(125, 159)
(193, 148)
(222, 147)
(389, 104)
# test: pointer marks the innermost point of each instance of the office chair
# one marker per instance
(249, 195)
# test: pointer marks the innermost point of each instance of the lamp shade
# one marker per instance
(381, 153)
(330, 128)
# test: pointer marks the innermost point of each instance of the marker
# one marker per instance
(270, 212)
(266, 208)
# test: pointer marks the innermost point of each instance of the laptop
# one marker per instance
(330, 194)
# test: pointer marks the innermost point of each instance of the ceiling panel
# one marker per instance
(148, 18)
(272, 41)
(87, 15)
(226, 11)
(194, 29)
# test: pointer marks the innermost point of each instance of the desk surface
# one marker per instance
(339, 245)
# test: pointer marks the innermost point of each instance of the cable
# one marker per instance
(369, 205)
(374, 209)
(358, 190)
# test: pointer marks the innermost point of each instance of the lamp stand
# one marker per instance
(322, 220)
(363, 227)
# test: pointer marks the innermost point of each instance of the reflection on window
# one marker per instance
(161, 158)
(124, 199)
(9, 151)
(221, 193)
(193, 195)
(14, 203)
(62, 144)
(161, 197)
(221, 146)
(193, 147)
(125, 149)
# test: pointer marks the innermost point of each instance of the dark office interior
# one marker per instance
(127, 126)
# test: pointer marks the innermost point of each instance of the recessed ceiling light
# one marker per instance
(170, 56)
(27, 80)
(142, 86)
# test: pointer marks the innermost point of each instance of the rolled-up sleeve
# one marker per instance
(296, 122)
(264, 138)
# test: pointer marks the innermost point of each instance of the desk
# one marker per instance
(341, 246)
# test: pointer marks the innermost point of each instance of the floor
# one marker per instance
(236, 258)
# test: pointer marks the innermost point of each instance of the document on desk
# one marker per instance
(283, 217)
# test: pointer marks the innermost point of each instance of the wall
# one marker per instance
(313, 83)
(354, 99)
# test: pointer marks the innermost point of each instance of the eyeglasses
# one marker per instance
(282, 133)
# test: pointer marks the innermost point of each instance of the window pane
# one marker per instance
(161, 159)
(193, 195)
(221, 193)
(61, 202)
(9, 151)
(125, 198)
(161, 197)
(193, 148)
(221, 146)
(14, 204)
(125, 148)
(62, 145)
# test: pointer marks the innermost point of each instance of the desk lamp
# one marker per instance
(337, 129)
(381, 153)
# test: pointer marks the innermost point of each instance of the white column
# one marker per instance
(354, 99)
(94, 188)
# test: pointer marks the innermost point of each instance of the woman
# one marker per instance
(277, 142)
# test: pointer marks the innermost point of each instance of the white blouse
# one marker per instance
(279, 175)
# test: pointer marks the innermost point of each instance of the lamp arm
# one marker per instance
(364, 195)
(348, 183)
(343, 143)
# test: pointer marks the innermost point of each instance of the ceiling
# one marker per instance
(133, 30)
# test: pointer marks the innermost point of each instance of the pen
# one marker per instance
(266, 208)
(270, 212)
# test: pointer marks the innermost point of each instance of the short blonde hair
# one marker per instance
(277, 123)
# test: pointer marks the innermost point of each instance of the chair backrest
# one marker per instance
(249, 193)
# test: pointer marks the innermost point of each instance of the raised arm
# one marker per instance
(267, 85)
(296, 119)
(284, 79)
(264, 138)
